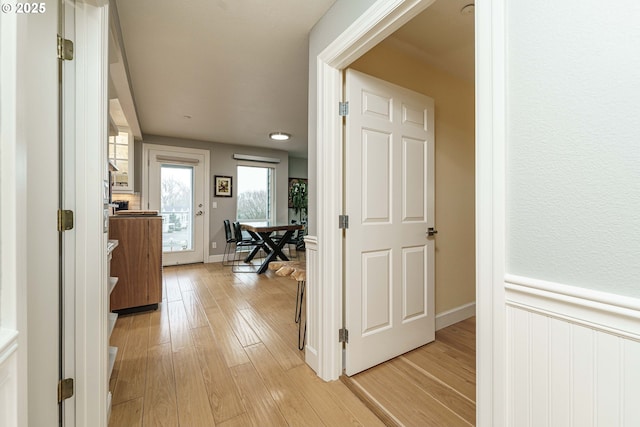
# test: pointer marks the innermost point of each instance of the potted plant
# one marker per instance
(299, 199)
(299, 202)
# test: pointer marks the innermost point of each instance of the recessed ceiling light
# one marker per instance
(279, 136)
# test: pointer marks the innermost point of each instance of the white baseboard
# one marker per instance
(215, 258)
(455, 315)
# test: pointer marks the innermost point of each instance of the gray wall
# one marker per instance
(223, 163)
(338, 18)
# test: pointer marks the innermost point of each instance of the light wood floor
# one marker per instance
(434, 385)
(221, 350)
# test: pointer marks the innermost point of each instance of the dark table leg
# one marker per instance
(276, 249)
(255, 250)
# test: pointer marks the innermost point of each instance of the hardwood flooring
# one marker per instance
(433, 385)
(221, 350)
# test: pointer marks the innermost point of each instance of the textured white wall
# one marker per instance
(573, 143)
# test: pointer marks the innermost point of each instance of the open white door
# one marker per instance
(389, 191)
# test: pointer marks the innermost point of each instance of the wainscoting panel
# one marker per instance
(313, 303)
(567, 370)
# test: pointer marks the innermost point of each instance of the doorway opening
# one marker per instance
(450, 360)
(345, 53)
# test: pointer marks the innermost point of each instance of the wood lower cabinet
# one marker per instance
(138, 261)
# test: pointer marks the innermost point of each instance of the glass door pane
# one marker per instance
(176, 207)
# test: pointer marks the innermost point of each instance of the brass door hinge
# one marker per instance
(65, 49)
(65, 389)
(65, 220)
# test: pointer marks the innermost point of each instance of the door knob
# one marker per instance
(431, 231)
(199, 213)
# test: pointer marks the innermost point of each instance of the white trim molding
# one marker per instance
(373, 26)
(214, 258)
(491, 357)
(91, 295)
(455, 315)
(311, 353)
(329, 185)
(13, 231)
(614, 314)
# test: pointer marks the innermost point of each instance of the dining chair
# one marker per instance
(231, 243)
(297, 241)
(244, 245)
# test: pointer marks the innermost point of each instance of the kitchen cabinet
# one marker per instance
(121, 156)
(138, 261)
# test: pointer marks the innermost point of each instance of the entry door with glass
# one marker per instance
(176, 190)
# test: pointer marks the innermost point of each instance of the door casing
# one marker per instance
(90, 122)
(373, 26)
(66, 28)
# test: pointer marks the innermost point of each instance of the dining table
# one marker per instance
(271, 243)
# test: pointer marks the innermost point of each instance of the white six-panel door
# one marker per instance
(389, 192)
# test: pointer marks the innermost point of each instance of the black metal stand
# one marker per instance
(298, 316)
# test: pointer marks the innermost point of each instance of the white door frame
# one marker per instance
(206, 154)
(68, 189)
(91, 296)
(491, 122)
(378, 22)
(13, 236)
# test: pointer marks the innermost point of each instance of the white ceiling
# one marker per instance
(232, 71)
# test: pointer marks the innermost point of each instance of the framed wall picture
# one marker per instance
(222, 186)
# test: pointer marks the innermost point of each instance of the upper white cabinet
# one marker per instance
(121, 156)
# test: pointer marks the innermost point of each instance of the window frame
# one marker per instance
(271, 192)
